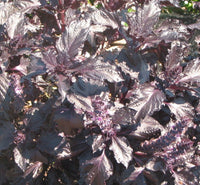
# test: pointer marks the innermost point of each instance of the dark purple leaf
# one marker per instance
(22, 67)
(97, 170)
(4, 84)
(49, 58)
(96, 142)
(70, 15)
(124, 116)
(85, 89)
(63, 151)
(198, 108)
(71, 3)
(170, 3)
(105, 18)
(146, 100)
(7, 134)
(78, 83)
(37, 115)
(3, 33)
(55, 177)
(63, 86)
(114, 5)
(173, 61)
(13, 15)
(33, 170)
(73, 38)
(53, 144)
(137, 64)
(80, 103)
(144, 20)
(67, 120)
(21, 161)
(170, 33)
(127, 70)
(78, 145)
(122, 150)
(194, 26)
(23, 157)
(180, 108)
(36, 65)
(98, 70)
(155, 164)
(48, 19)
(191, 73)
(141, 66)
(133, 176)
(51, 2)
(3, 169)
(148, 129)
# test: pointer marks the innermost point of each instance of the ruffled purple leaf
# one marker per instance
(175, 3)
(148, 128)
(97, 170)
(35, 67)
(50, 59)
(133, 175)
(22, 67)
(194, 26)
(180, 108)
(80, 103)
(198, 108)
(37, 116)
(191, 73)
(155, 164)
(144, 20)
(32, 175)
(105, 18)
(122, 150)
(134, 64)
(53, 144)
(80, 94)
(172, 65)
(98, 70)
(73, 38)
(33, 170)
(96, 142)
(21, 161)
(13, 15)
(48, 19)
(47, 2)
(63, 85)
(169, 31)
(4, 85)
(146, 100)
(85, 88)
(124, 116)
(127, 70)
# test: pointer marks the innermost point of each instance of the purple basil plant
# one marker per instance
(96, 92)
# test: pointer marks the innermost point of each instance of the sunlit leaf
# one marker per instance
(98, 170)
(121, 149)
